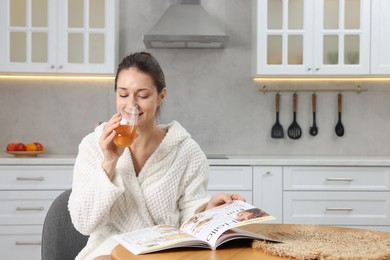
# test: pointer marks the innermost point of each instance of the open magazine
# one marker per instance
(207, 229)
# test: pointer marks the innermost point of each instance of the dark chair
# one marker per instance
(60, 240)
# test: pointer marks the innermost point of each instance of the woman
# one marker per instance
(160, 179)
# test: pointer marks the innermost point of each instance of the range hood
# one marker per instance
(186, 25)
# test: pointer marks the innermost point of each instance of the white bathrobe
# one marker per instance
(170, 188)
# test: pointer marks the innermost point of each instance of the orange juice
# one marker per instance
(125, 135)
(126, 132)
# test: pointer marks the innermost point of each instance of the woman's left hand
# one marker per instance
(223, 198)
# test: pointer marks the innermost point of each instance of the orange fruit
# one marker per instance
(31, 147)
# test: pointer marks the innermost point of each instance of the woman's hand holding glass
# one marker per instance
(111, 152)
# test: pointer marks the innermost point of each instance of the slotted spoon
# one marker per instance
(277, 128)
(294, 131)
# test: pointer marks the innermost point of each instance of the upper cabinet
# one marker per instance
(309, 38)
(68, 36)
(380, 37)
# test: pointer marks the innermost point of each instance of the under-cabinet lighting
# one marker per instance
(62, 77)
(335, 79)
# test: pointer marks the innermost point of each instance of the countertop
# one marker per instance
(303, 160)
(39, 159)
(259, 160)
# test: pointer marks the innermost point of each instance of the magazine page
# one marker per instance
(156, 238)
(236, 233)
(211, 224)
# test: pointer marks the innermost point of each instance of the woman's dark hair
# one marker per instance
(145, 62)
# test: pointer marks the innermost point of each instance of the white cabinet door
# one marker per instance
(3, 28)
(231, 179)
(380, 37)
(311, 178)
(304, 37)
(29, 36)
(87, 32)
(25, 207)
(21, 242)
(283, 37)
(342, 37)
(336, 208)
(268, 190)
(36, 177)
(59, 36)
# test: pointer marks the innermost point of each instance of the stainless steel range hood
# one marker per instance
(186, 25)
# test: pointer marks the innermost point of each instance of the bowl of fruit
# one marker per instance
(25, 150)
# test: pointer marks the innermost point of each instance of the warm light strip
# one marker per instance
(64, 77)
(334, 79)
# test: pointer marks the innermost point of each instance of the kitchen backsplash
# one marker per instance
(210, 92)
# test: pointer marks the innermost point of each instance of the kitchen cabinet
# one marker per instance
(231, 179)
(380, 37)
(20, 242)
(311, 38)
(70, 36)
(26, 193)
(339, 191)
(340, 196)
(268, 190)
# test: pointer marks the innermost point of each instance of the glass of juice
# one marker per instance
(127, 130)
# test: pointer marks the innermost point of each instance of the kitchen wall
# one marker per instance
(210, 92)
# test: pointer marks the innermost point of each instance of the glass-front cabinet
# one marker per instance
(380, 37)
(306, 37)
(69, 36)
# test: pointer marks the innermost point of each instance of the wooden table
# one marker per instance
(232, 250)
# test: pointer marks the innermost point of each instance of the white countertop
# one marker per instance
(231, 160)
(303, 160)
(39, 159)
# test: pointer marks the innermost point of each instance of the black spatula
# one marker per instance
(339, 129)
(277, 128)
(294, 131)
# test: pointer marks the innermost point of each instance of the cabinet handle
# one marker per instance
(52, 66)
(339, 209)
(28, 243)
(339, 179)
(268, 173)
(317, 69)
(308, 69)
(29, 209)
(30, 178)
(60, 67)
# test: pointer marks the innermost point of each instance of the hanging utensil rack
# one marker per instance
(357, 89)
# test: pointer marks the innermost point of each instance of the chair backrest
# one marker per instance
(60, 240)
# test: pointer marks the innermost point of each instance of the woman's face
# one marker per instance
(137, 89)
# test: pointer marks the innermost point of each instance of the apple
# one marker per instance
(39, 146)
(20, 147)
(11, 147)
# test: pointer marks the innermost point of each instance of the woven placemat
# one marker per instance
(310, 243)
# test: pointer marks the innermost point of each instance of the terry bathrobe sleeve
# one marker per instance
(194, 196)
(93, 194)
